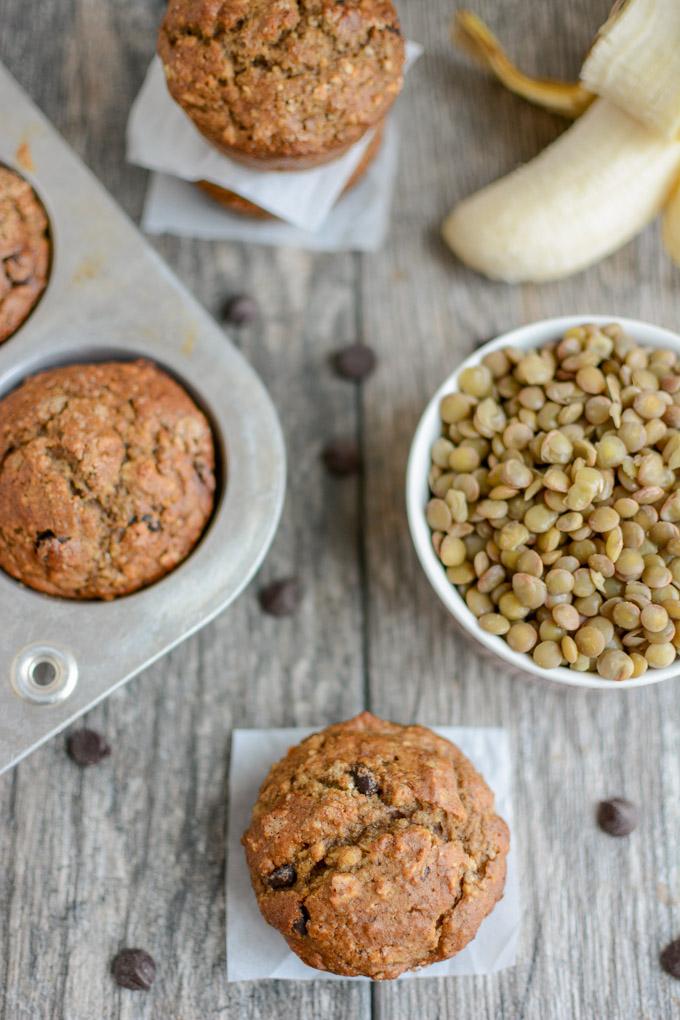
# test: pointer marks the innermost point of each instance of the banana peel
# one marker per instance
(474, 37)
(566, 194)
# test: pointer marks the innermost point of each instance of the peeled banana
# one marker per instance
(583, 197)
(635, 62)
(606, 177)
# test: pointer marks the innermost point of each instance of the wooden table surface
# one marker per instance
(132, 852)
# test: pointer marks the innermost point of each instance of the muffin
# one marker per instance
(374, 848)
(107, 479)
(236, 203)
(24, 251)
(283, 85)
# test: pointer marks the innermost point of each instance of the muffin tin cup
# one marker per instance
(109, 296)
(417, 494)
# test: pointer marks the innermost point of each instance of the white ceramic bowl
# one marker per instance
(417, 495)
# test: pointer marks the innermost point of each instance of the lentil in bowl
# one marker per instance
(555, 577)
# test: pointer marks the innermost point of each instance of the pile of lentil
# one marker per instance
(555, 504)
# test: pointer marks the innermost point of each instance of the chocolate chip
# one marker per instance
(240, 310)
(87, 747)
(48, 536)
(281, 598)
(283, 877)
(134, 969)
(151, 522)
(300, 926)
(617, 816)
(354, 362)
(364, 781)
(342, 457)
(670, 959)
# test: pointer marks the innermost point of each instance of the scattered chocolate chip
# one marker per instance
(342, 457)
(354, 362)
(87, 747)
(617, 816)
(240, 310)
(670, 959)
(364, 781)
(283, 877)
(300, 926)
(134, 969)
(281, 598)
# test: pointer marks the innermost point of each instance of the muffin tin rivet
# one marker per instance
(44, 674)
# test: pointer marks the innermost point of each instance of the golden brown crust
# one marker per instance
(236, 203)
(106, 478)
(24, 251)
(284, 84)
(374, 848)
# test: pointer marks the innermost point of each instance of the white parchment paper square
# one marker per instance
(256, 951)
(161, 137)
(357, 222)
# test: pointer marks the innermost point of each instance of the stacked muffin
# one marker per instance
(283, 86)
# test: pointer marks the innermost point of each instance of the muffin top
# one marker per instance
(374, 848)
(283, 80)
(24, 250)
(106, 478)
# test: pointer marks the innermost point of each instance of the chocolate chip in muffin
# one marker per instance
(282, 597)
(241, 310)
(87, 747)
(670, 959)
(342, 457)
(364, 781)
(300, 925)
(618, 816)
(134, 969)
(354, 362)
(283, 877)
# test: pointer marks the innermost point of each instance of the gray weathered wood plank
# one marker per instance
(134, 851)
(595, 911)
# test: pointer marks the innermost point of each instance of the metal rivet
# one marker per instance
(44, 674)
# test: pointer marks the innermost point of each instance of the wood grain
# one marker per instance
(132, 852)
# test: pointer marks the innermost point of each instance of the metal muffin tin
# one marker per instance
(110, 296)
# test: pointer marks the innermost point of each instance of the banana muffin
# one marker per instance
(283, 85)
(236, 203)
(107, 479)
(374, 848)
(24, 251)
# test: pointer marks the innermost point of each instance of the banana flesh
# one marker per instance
(470, 33)
(635, 63)
(583, 197)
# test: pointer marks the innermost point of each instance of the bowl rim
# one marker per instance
(417, 492)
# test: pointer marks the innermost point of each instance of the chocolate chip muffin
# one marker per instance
(282, 85)
(24, 251)
(107, 477)
(374, 848)
(236, 203)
